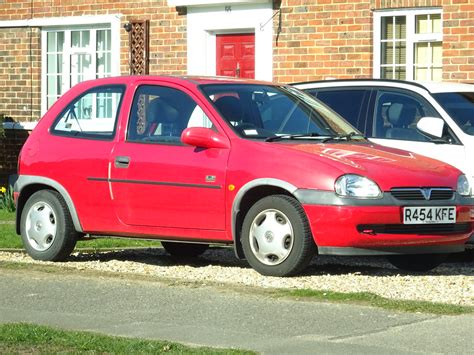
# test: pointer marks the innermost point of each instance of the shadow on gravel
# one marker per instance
(457, 264)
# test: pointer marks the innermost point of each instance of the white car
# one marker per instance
(435, 119)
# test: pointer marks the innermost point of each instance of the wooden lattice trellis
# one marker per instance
(139, 47)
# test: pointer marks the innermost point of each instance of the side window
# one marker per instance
(160, 114)
(92, 115)
(396, 115)
(347, 103)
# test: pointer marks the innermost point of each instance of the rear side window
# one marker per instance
(347, 103)
(92, 115)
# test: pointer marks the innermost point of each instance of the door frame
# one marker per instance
(204, 23)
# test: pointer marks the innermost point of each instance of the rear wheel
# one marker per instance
(183, 250)
(46, 227)
(276, 237)
(417, 262)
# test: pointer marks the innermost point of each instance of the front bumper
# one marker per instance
(354, 226)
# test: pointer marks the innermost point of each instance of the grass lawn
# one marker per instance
(10, 240)
(35, 339)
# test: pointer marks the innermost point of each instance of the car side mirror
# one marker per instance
(431, 126)
(204, 138)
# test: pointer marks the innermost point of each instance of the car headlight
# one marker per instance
(351, 185)
(463, 188)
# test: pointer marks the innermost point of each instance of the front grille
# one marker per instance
(422, 194)
(433, 229)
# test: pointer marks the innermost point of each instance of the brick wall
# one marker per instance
(322, 39)
(458, 40)
(20, 73)
(333, 38)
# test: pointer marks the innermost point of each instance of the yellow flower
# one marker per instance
(3, 189)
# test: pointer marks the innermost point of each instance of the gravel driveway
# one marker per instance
(451, 282)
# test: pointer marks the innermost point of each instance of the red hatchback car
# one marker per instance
(192, 161)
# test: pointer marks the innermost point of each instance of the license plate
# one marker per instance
(429, 215)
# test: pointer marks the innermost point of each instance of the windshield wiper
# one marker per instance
(341, 137)
(291, 136)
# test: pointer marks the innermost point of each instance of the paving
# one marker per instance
(220, 317)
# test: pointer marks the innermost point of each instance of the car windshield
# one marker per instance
(277, 113)
(460, 106)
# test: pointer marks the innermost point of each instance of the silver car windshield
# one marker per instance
(460, 106)
(277, 113)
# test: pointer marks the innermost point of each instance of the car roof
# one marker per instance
(183, 79)
(431, 86)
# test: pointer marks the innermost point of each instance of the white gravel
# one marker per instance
(451, 282)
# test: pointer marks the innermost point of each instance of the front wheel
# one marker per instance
(276, 238)
(46, 227)
(417, 262)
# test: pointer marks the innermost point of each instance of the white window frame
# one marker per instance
(77, 23)
(411, 36)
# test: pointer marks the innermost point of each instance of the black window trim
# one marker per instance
(85, 135)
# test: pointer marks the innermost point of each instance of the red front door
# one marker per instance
(236, 55)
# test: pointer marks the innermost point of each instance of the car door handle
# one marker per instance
(122, 162)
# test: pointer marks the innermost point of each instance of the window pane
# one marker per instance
(437, 74)
(93, 114)
(400, 27)
(60, 41)
(387, 27)
(386, 73)
(387, 53)
(103, 40)
(85, 39)
(51, 100)
(422, 55)
(428, 23)
(400, 73)
(51, 39)
(422, 24)
(80, 68)
(100, 60)
(437, 54)
(52, 63)
(436, 23)
(394, 27)
(428, 61)
(400, 53)
(75, 39)
(52, 85)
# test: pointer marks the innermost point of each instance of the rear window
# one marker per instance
(91, 115)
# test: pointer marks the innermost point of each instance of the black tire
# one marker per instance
(286, 232)
(184, 250)
(46, 226)
(417, 262)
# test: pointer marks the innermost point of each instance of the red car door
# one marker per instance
(158, 181)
